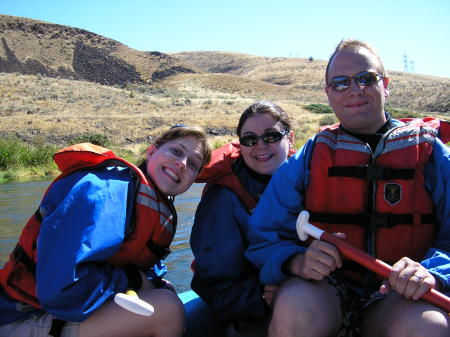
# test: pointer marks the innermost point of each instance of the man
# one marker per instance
(382, 185)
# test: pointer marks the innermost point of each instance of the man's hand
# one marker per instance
(319, 260)
(410, 279)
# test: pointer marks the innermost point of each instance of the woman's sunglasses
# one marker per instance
(267, 137)
(363, 79)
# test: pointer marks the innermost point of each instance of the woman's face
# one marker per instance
(174, 165)
(264, 158)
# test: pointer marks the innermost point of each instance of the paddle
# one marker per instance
(304, 229)
(131, 302)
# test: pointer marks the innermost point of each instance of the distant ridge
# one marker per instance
(408, 90)
(36, 47)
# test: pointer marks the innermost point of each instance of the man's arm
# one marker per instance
(272, 234)
(437, 181)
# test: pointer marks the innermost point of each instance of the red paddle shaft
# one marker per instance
(383, 269)
(379, 267)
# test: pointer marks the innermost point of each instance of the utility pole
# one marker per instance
(405, 63)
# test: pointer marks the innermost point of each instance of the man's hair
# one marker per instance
(180, 131)
(355, 45)
(263, 108)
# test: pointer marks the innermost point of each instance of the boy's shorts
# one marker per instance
(37, 326)
(354, 300)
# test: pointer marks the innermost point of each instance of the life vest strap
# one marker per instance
(372, 219)
(19, 255)
(38, 215)
(161, 252)
(370, 172)
(56, 327)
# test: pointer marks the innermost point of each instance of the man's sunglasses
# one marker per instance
(364, 79)
(267, 137)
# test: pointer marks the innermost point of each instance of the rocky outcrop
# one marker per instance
(35, 47)
(97, 65)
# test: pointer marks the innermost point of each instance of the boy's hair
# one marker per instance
(179, 131)
(355, 45)
(261, 108)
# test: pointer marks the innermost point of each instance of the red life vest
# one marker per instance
(378, 200)
(219, 171)
(149, 237)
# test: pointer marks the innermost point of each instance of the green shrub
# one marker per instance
(402, 113)
(93, 138)
(318, 108)
(9, 153)
(216, 143)
(15, 153)
(38, 156)
(328, 120)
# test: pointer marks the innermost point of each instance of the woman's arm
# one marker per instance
(223, 277)
(85, 216)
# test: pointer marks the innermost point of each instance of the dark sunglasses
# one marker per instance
(267, 137)
(363, 79)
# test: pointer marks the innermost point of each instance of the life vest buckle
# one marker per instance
(379, 220)
(375, 173)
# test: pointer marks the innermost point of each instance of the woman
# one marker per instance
(100, 226)
(236, 177)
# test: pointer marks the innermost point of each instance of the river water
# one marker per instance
(19, 200)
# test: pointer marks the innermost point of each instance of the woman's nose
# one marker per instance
(260, 143)
(181, 162)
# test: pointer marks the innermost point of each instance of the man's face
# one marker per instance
(359, 109)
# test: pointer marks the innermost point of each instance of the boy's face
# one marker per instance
(174, 165)
(359, 109)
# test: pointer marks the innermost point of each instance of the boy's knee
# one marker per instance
(430, 323)
(398, 317)
(297, 306)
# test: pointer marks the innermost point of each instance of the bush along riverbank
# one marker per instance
(21, 161)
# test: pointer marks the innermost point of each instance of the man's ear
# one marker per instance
(385, 85)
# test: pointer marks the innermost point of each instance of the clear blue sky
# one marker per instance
(285, 28)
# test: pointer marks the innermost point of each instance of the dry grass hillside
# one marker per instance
(59, 82)
(408, 91)
(36, 108)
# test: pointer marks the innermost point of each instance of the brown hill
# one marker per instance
(35, 47)
(59, 82)
(408, 91)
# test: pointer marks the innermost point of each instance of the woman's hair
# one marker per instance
(262, 108)
(180, 131)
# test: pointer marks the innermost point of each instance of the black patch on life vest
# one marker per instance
(392, 193)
